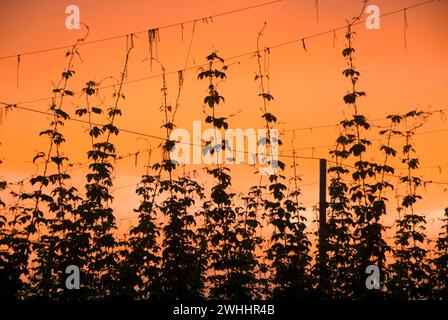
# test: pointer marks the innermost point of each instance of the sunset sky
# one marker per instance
(308, 86)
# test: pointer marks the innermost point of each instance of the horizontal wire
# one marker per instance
(243, 151)
(299, 40)
(178, 24)
(6, 105)
(191, 144)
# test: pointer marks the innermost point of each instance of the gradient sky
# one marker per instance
(307, 86)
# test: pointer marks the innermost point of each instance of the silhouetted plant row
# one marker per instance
(212, 243)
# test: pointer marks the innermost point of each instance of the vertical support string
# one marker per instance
(316, 5)
(405, 28)
(182, 30)
(150, 40)
(207, 20)
(127, 49)
(334, 38)
(17, 72)
(191, 43)
(180, 77)
(129, 45)
(153, 38)
(266, 65)
(269, 68)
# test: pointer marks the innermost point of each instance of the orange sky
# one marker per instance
(307, 86)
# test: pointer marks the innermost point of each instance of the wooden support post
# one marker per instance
(323, 227)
